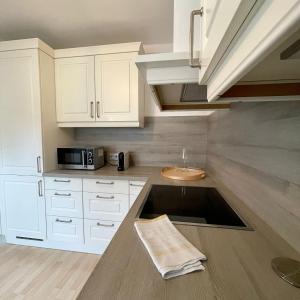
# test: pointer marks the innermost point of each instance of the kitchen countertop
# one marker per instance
(238, 266)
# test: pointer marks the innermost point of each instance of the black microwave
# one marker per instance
(80, 158)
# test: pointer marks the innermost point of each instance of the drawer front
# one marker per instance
(64, 203)
(106, 186)
(65, 229)
(132, 199)
(105, 206)
(63, 184)
(98, 233)
(135, 187)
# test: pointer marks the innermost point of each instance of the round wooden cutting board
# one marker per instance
(182, 173)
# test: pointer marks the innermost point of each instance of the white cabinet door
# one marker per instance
(221, 20)
(75, 89)
(20, 114)
(23, 207)
(116, 88)
(106, 186)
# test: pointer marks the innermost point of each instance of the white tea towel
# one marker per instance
(171, 252)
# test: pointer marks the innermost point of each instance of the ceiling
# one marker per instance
(73, 23)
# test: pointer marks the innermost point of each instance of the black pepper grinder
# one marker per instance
(121, 161)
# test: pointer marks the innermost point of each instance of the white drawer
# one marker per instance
(105, 206)
(65, 229)
(63, 184)
(132, 199)
(106, 186)
(64, 203)
(135, 187)
(98, 233)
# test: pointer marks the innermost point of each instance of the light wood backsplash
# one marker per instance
(254, 149)
(159, 143)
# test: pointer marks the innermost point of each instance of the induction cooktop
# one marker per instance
(203, 206)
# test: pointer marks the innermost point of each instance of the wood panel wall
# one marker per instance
(160, 143)
(254, 149)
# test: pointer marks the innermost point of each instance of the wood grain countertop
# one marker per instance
(238, 266)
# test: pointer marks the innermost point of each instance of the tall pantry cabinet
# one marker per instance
(28, 136)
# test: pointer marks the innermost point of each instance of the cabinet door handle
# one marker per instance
(105, 225)
(133, 184)
(98, 109)
(38, 164)
(101, 182)
(59, 194)
(104, 197)
(198, 12)
(92, 110)
(61, 180)
(40, 188)
(63, 221)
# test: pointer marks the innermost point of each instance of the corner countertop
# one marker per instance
(238, 266)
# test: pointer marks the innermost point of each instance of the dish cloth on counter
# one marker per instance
(171, 252)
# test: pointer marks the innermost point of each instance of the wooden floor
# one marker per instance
(37, 273)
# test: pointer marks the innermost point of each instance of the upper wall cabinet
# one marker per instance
(97, 89)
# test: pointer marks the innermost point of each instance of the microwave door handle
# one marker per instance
(82, 157)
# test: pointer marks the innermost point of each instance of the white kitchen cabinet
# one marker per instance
(23, 207)
(64, 203)
(99, 86)
(63, 184)
(105, 206)
(75, 89)
(98, 234)
(117, 91)
(65, 230)
(103, 185)
(28, 132)
(135, 187)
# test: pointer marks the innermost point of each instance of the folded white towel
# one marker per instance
(171, 252)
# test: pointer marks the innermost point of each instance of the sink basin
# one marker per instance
(202, 206)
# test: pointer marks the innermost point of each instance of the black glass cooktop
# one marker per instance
(191, 205)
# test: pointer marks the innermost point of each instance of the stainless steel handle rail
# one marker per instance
(98, 110)
(92, 110)
(102, 182)
(105, 225)
(103, 197)
(61, 180)
(133, 184)
(82, 157)
(38, 164)
(198, 12)
(59, 194)
(63, 221)
(40, 188)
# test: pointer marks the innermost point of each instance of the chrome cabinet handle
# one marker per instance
(103, 197)
(92, 110)
(198, 12)
(60, 180)
(98, 110)
(63, 221)
(105, 225)
(59, 194)
(38, 164)
(40, 188)
(100, 182)
(134, 184)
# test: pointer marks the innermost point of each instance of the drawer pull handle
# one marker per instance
(106, 225)
(63, 221)
(134, 184)
(104, 197)
(60, 180)
(58, 194)
(101, 182)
